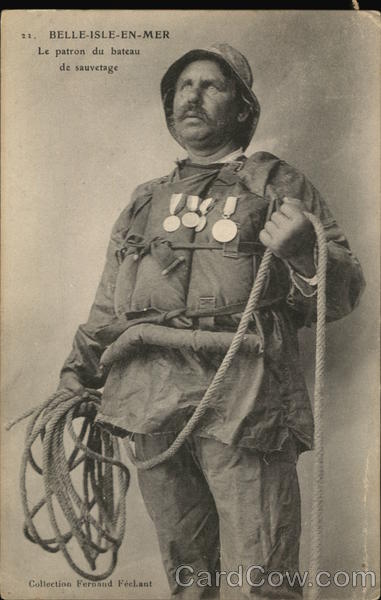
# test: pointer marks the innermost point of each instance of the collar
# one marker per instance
(232, 157)
(227, 174)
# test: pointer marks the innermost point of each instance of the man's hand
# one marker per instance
(69, 381)
(290, 235)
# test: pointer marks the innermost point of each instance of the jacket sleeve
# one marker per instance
(345, 281)
(83, 360)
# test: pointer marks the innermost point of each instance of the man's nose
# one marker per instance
(194, 93)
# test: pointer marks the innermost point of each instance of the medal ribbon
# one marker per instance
(174, 203)
(192, 203)
(230, 206)
(205, 205)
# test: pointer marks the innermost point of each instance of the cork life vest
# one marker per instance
(171, 268)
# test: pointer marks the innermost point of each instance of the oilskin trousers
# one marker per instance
(219, 508)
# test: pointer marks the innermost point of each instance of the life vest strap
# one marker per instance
(158, 246)
(243, 247)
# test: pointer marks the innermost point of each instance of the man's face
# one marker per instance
(205, 106)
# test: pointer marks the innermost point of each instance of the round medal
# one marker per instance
(171, 223)
(224, 230)
(190, 219)
(201, 223)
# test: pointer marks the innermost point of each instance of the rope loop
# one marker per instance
(93, 517)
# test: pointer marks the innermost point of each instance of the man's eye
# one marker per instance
(213, 88)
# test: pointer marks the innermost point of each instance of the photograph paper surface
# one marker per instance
(86, 120)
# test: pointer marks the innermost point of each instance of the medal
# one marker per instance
(224, 230)
(204, 207)
(172, 222)
(190, 219)
(201, 223)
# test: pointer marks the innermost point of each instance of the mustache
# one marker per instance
(191, 110)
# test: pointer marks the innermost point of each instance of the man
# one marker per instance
(183, 257)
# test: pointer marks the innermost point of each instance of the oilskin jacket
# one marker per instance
(188, 280)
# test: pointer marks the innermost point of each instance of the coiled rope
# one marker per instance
(50, 419)
(98, 453)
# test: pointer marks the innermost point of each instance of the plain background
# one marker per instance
(74, 147)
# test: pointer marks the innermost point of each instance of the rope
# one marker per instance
(318, 466)
(218, 379)
(51, 419)
(99, 455)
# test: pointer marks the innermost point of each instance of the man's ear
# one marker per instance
(243, 114)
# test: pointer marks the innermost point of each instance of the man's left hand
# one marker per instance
(290, 235)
